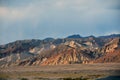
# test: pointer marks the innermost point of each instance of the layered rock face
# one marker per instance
(70, 53)
(111, 52)
(71, 50)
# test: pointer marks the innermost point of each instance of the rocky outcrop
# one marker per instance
(78, 50)
(69, 53)
(112, 45)
(111, 52)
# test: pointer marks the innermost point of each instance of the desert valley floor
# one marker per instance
(62, 72)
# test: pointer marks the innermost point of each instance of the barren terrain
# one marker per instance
(61, 72)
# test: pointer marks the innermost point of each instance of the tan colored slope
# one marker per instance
(112, 52)
(68, 56)
(109, 57)
(62, 58)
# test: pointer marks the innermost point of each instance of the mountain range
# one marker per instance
(73, 49)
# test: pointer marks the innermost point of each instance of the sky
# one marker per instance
(39, 19)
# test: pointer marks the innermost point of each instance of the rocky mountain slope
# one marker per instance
(70, 50)
(111, 52)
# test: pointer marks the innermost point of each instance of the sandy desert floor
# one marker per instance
(62, 72)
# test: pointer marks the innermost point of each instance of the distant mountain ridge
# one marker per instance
(110, 36)
(73, 49)
(74, 36)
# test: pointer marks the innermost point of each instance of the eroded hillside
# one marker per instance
(70, 50)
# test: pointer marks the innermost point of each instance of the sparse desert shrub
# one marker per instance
(94, 76)
(2, 78)
(23, 79)
(75, 78)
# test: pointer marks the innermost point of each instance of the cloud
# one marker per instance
(57, 18)
(11, 14)
(112, 32)
(44, 8)
(110, 4)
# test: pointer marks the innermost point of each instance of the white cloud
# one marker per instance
(41, 17)
(10, 14)
(20, 13)
(41, 8)
(112, 32)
